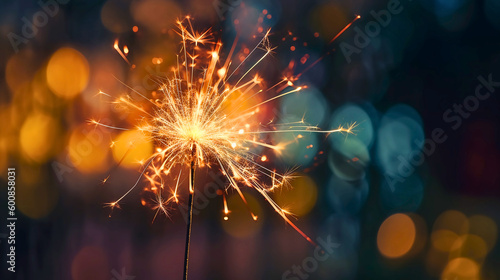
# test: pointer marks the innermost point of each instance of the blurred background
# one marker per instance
(414, 194)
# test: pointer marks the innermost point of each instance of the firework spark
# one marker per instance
(206, 114)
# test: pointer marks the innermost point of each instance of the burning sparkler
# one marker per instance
(200, 116)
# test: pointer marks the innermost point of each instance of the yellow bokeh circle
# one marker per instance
(396, 236)
(300, 198)
(34, 199)
(240, 223)
(470, 246)
(88, 149)
(461, 269)
(67, 73)
(38, 137)
(443, 239)
(131, 148)
(452, 220)
(484, 227)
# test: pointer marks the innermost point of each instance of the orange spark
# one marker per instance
(117, 48)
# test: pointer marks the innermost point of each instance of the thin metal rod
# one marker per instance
(190, 211)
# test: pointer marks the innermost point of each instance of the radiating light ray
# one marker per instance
(115, 203)
(249, 55)
(105, 125)
(174, 195)
(160, 205)
(276, 97)
(345, 28)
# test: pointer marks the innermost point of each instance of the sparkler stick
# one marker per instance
(200, 116)
(190, 210)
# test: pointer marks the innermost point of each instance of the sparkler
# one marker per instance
(200, 116)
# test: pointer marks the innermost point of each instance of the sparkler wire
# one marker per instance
(190, 211)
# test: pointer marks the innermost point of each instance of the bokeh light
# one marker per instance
(91, 262)
(300, 198)
(347, 197)
(399, 140)
(461, 269)
(349, 159)
(348, 114)
(243, 21)
(444, 239)
(67, 73)
(43, 97)
(88, 149)
(452, 220)
(156, 15)
(486, 228)
(327, 19)
(115, 16)
(308, 105)
(396, 236)
(301, 148)
(20, 69)
(39, 137)
(131, 148)
(460, 244)
(35, 200)
(240, 223)
(105, 75)
(470, 246)
(344, 229)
